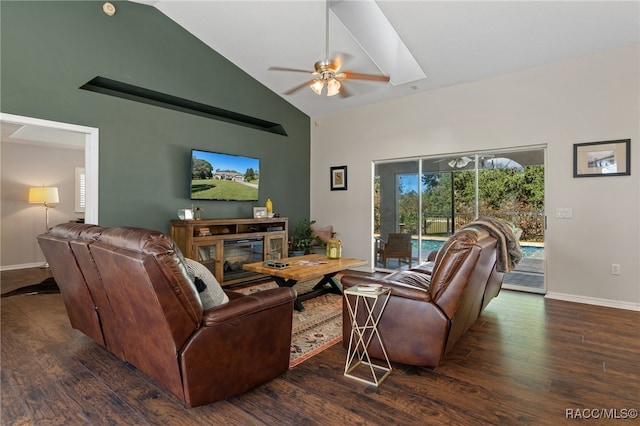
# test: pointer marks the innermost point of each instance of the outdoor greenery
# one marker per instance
(208, 189)
(513, 194)
(201, 169)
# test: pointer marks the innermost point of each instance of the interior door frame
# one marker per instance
(91, 155)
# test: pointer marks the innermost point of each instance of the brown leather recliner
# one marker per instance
(154, 318)
(76, 295)
(432, 305)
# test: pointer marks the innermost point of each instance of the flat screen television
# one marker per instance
(217, 176)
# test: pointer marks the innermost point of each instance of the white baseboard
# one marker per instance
(594, 301)
(22, 266)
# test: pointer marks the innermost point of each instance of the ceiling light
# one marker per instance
(109, 9)
(333, 87)
(317, 86)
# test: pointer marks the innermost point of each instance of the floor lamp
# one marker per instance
(47, 196)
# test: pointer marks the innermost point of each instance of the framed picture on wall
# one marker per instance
(339, 178)
(606, 158)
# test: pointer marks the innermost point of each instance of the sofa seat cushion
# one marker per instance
(212, 294)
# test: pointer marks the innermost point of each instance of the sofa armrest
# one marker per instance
(397, 289)
(425, 267)
(248, 304)
(241, 345)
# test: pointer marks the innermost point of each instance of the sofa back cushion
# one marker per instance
(461, 271)
(76, 295)
(156, 305)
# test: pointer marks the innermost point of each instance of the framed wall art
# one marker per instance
(339, 178)
(606, 158)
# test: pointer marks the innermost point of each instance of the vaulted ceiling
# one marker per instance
(450, 42)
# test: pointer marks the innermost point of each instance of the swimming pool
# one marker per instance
(428, 245)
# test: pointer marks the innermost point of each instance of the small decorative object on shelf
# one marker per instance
(334, 248)
(269, 206)
(197, 212)
(185, 214)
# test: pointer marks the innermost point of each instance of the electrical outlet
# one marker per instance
(615, 269)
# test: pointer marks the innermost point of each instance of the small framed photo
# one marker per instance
(606, 158)
(339, 178)
(259, 212)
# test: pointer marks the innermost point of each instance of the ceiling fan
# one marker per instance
(327, 73)
(463, 161)
(459, 162)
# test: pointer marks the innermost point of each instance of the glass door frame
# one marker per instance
(478, 158)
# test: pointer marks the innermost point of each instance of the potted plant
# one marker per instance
(302, 237)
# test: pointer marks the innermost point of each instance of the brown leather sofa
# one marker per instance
(128, 289)
(433, 304)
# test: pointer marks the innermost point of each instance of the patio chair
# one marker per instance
(397, 246)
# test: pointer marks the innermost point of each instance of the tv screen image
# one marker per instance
(217, 176)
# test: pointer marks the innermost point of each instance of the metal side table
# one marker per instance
(372, 300)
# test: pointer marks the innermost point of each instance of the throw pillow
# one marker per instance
(212, 294)
(324, 234)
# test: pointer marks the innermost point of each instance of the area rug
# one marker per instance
(46, 286)
(316, 328)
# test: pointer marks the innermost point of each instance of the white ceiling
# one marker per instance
(29, 134)
(452, 41)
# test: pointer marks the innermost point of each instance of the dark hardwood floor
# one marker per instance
(527, 360)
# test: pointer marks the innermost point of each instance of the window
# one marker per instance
(81, 187)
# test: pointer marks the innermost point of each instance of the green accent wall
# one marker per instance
(50, 48)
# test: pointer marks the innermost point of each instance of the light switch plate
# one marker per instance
(564, 213)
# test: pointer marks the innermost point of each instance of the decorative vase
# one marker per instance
(334, 248)
(269, 206)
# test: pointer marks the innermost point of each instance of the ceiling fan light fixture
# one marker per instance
(462, 162)
(333, 87)
(317, 87)
(459, 162)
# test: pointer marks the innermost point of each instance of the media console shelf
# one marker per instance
(224, 245)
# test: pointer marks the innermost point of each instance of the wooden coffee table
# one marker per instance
(304, 268)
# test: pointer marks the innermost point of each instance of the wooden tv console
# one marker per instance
(225, 245)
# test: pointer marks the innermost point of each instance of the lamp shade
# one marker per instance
(317, 86)
(333, 87)
(43, 195)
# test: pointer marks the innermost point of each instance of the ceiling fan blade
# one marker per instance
(344, 93)
(337, 63)
(357, 76)
(301, 86)
(289, 69)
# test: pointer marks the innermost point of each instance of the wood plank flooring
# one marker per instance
(526, 361)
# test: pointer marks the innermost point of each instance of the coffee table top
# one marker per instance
(302, 268)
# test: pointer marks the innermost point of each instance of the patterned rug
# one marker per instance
(316, 328)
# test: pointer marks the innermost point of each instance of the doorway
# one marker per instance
(91, 152)
(68, 145)
(431, 197)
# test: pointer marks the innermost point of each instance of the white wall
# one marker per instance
(24, 166)
(592, 98)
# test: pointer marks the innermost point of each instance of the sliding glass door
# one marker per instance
(430, 198)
